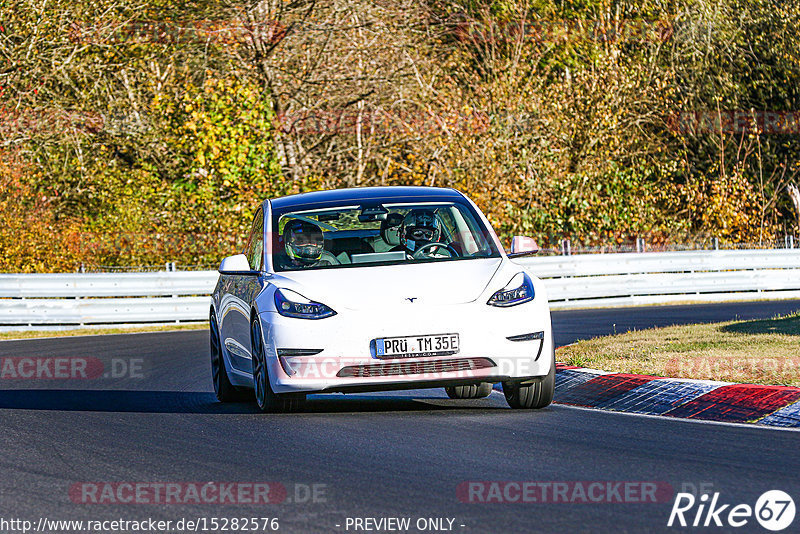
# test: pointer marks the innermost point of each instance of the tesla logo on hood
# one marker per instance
(411, 299)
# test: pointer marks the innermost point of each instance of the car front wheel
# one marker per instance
(268, 401)
(536, 395)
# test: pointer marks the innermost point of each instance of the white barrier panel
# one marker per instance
(645, 300)
(103, 311)
(661, 262)
(572, 281)
(108, 284)
(681, 284)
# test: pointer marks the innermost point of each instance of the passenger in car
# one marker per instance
(304, 245)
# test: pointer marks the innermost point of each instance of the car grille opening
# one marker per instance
(415, 368)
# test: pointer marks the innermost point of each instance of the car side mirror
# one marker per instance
(237, 264)
(523, 246)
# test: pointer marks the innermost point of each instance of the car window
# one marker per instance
(255, 245)
(362, 236)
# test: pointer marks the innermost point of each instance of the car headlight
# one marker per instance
(291, 304)
(511, 297)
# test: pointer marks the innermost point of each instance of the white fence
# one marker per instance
(105, 298)
(590, 280)
(593, 280)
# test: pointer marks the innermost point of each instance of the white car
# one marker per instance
(374, 289)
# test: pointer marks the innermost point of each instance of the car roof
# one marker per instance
(371, 195)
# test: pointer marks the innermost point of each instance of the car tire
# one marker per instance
(267, 400)
(537, 395)
(471, 391)
(223, 389)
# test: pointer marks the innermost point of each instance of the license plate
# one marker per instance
(416, 346)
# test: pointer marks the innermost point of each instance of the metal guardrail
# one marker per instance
(592, 280)
(661, 262)
(32, 312)
(104, 298)
(78, 285)
(629, 279)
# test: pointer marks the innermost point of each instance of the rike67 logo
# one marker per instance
(774, 510)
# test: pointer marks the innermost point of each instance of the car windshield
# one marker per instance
(379, 234)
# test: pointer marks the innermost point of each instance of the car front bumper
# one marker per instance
(345, 361)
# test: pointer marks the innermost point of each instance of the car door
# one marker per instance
(242, 289)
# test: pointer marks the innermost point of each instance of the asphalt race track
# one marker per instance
(150, 417)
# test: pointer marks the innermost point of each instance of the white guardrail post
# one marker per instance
(588, 280)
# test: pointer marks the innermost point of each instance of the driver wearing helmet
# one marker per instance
(305, 246)
(420, 228)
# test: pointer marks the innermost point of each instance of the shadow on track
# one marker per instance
(205, 403)
(788, 326)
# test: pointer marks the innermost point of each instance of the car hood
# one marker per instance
(445, 282)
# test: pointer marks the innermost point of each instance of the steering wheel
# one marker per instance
(450, 250)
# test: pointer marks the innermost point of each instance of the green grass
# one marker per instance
(759, 352)
(98, 331)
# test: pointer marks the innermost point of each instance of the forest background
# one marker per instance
(140, 132)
